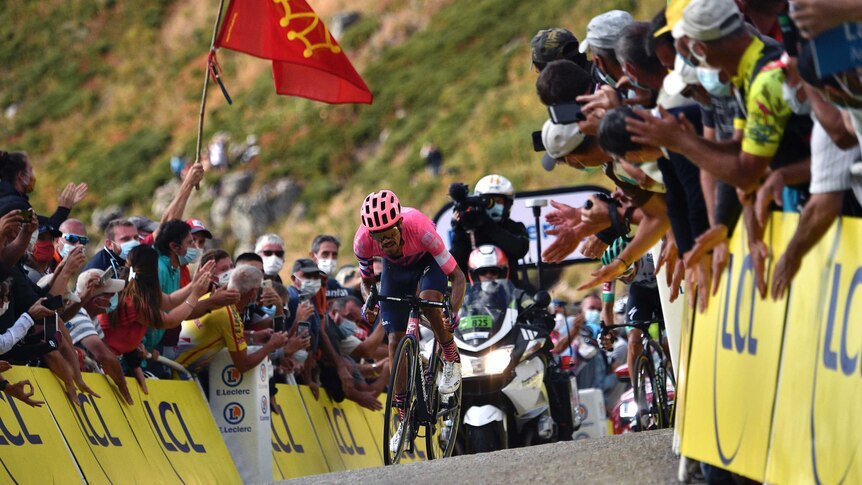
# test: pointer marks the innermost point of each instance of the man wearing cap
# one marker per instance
(86, 332)
(145, 226)
(200, 234)
(42, 252)
(602, 32)
(307, 304)
(554, 44)
(714, 34)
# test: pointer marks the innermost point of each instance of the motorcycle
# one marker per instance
(513, 393)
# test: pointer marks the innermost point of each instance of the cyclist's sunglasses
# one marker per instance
(488, 271)
(381, 236)
(75, 239)
(267, 252)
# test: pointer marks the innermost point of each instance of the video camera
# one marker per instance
(471, 208)
(460, 194)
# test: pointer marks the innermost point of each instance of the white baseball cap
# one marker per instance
(559, 141)
(603, 30)
(708, 20)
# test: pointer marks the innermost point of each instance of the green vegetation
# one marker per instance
(106, 91)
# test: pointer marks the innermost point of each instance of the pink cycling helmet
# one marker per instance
(380, 210)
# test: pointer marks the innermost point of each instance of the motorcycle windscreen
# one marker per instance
(489, 308)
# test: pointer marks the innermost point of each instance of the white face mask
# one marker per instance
(272, 264)
(300, 355)
(790, 94)
(327, 265)
(308, 288)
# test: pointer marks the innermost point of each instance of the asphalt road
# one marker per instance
(631, 458)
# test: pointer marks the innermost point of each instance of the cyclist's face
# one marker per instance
(389, 240)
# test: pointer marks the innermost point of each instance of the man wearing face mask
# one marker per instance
(270, 247)
(307, 305)
(491, 226)
(121, 236)
(74, 235)
(324, 252)
(86, 331)
(42, 252)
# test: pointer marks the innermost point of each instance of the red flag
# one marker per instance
(306, 60)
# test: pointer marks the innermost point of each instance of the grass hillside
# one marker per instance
(105, 91)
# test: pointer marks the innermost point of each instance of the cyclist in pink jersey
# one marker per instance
(414, 260)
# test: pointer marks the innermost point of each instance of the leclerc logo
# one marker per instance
(231, 376)
(583, 412)
(262, 373)
(264, 405)
(833, 451)
(234, 413)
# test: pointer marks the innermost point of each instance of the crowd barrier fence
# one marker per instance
(772, 389)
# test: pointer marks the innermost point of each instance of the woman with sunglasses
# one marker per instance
(415, 260)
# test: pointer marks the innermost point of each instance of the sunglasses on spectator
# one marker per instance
(75, 239)
(488, 271)
(267, 252)
(381, 236)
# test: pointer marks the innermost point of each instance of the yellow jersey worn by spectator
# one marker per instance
(201, 338)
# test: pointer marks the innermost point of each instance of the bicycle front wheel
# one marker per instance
(649, 415)
(398, 413)
(446, 414)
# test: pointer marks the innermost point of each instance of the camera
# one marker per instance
(471, 208)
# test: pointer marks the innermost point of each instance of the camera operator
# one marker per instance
(483, 218)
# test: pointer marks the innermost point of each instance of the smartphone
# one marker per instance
(538, 145)
(109, 274)
(566, 113)
(302, 328)
(789, 34)
(27, 215)
(50, 328)
(266, 284)
(53, 302)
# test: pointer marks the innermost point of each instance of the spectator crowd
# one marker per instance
(710, 113)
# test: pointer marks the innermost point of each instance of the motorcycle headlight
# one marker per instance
(491, 364)
(628, 409)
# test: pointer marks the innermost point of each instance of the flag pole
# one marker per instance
(206, 86)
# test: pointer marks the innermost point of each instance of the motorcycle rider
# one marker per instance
(491, 226)
(491, 292)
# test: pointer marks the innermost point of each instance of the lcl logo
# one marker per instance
(336, 420)
(290, 445)
(163, 429)
(8, 436)
(89, 415)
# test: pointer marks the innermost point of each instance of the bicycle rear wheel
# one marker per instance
(441, 435)
(649, 414)
(403, 373)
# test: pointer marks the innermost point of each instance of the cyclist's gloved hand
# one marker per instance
(451, 321)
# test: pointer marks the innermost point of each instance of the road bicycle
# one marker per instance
(417, 373)
(653, 373)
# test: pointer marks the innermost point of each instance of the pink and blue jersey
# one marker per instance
(419, 236)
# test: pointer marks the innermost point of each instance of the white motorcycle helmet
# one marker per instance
(488, 256)
(496, 184)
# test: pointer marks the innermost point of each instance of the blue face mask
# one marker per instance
(710, 79)
(269, 310)
(592, 317)
(496, 212)
(66, 249)
(115, 300)
(347, 328)
(128, 246)
(190, 257)
(605, 78)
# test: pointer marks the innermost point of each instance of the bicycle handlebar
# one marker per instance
(638, 324)
(413, 301)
